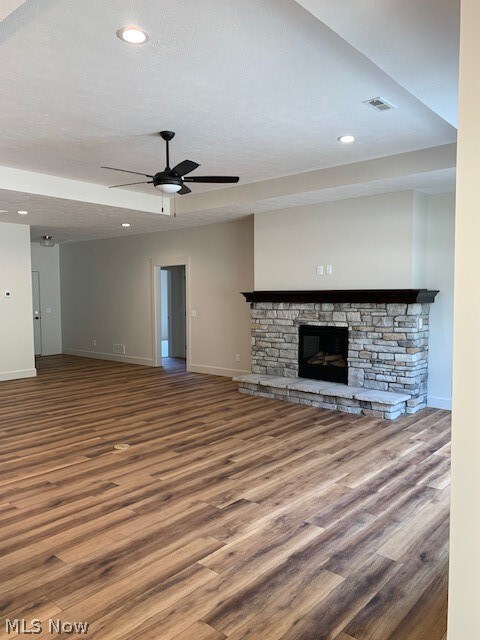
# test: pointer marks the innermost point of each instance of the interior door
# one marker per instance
(37, 317)
(176, 310)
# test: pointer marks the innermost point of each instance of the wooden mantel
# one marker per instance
(408, 296)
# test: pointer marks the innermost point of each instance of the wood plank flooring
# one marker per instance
(228, 516)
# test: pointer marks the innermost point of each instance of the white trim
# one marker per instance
(16, 375)
(68, 189)
(158, 263)
(10, 7)
(439, 403)
(357, 173)
(217, 371)
(109, 356)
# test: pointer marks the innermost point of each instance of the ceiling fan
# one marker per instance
(173, 180)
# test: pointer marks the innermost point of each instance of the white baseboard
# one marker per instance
(217, 371)
(110, 356)
(150, 362)
(439, 403)
(16, 375)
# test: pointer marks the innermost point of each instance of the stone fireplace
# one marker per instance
(360, 351)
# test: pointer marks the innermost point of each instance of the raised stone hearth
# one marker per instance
(387, 349)
(327, 395)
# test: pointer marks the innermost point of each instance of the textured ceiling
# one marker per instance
(73, 220)
(258, 88)
(415, 41)
(435, 182)
(70, 220)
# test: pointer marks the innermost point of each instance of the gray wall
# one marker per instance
(395, 240)
(107, 292)
(16, 319)
(392, 240)
(367, 240)
(440, 260)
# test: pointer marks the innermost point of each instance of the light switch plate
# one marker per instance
(329, 269)
(319, 271)
(193, 313)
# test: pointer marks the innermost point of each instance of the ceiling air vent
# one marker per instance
(380, 104)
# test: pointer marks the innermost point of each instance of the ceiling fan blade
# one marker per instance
(184, 190)
(229, 179)
(185, 167)
(115, 186)
(147, 175)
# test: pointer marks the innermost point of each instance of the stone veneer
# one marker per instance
(326, 395)
(388, 343)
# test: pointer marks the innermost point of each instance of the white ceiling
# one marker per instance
(258, 88)
(69, 220)
(435, 182)
(415, 41)
(73, 220)
(56, 206)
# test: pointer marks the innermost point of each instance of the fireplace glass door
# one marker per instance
(323, 353)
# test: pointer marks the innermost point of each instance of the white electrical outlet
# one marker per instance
(319, 270)
(94, 342)
(237, 358)
(329, 269)
(119, 348)
(193, 313)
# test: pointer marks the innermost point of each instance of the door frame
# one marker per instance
(156, 264)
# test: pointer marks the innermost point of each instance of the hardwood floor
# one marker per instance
(228, 515)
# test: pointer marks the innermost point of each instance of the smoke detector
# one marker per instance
(47, 241)
(380, 104)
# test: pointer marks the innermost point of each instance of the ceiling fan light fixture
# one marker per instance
(47, 241)
(172, 179)
(168, 188)
(133, 35)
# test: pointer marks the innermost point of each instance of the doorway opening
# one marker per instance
(170, 316)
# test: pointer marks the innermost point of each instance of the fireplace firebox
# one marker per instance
(323, 353)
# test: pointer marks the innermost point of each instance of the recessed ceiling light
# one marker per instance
(346, 139)
(132, 35)
(23, 213)
(125, 224)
